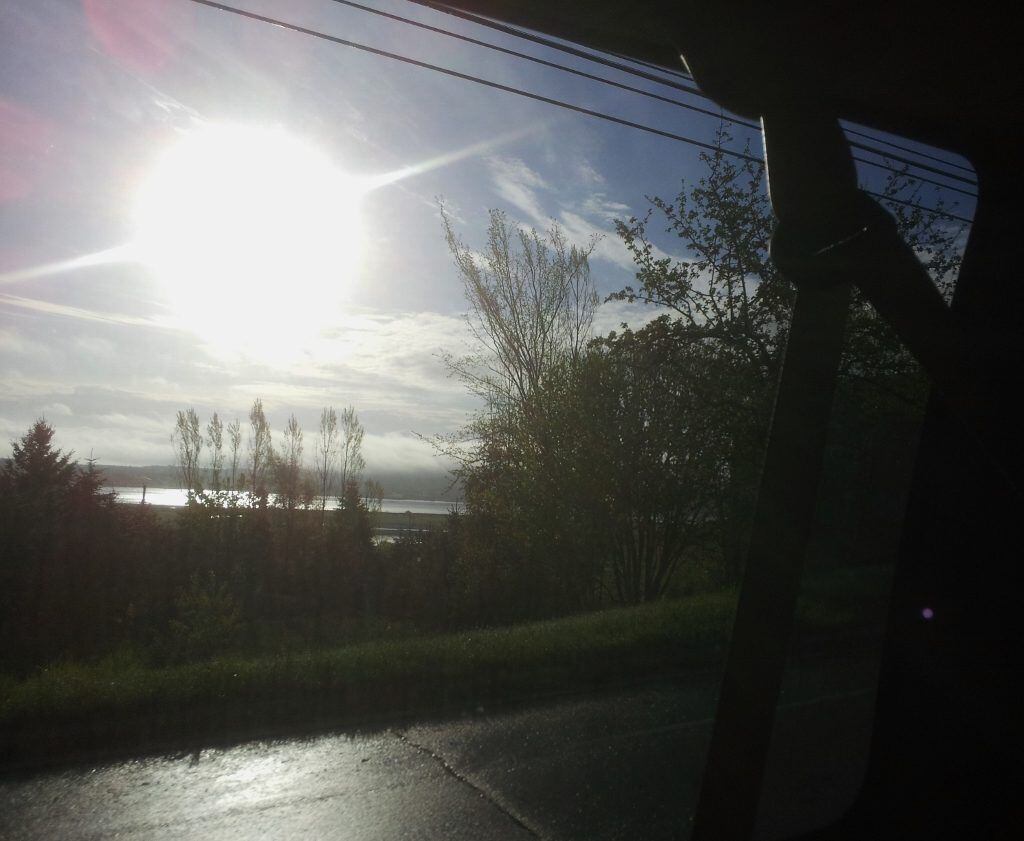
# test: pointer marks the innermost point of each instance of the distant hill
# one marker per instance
(397, 484)
(417, 484)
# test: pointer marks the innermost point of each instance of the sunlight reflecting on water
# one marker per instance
(177, 497)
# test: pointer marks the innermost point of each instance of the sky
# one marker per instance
(107, 330)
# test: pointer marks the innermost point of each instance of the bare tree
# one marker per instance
(531, 305)
(188, 444)
(215, 438)
(235, 438)
(373, 496)
(261, 449)
(288, 466)
(326, 454)
(352, 463)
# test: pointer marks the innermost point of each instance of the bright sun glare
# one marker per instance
(253, 234)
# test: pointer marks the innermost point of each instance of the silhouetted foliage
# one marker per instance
(188, 444)
(729, 305)
(597, 471)
(207, 619)
(60, 557)
(83, 576)
(261, 452)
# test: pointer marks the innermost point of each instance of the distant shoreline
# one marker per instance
(176, 498)
(406, 484)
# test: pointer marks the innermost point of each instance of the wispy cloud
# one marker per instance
(57, 410)
(586, 216)
(586, 173)
(13, 343)
(107, 256)
(597, 205)
(613, 314)
(51, 308)
(607, 246)
(518, 184)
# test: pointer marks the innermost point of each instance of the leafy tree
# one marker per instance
(188, 444)
(531, 305)
(351, 450)
(373, 496)
(215, 438)
(261, 451)
(350, 578)
(89, 564)
(728, 294)
(207, 619)
(235, 440)
(38, 476)
(60, 554)
(327, 443)
(34, 487)
(288, 466)
(612, 464)
(729, 306)
(651, 448)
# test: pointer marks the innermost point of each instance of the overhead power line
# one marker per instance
(516, 91)
(859, 133)
(913, 175)
(526, 57)
(518, 32)
(605, 81)
(927, 167)
(447, 71)
(943, 213)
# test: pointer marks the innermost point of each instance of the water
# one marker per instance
(176, 497)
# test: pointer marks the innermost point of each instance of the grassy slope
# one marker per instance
(119, 703)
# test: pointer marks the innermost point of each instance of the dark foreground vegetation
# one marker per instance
(123, 703)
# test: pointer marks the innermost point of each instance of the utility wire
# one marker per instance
(520, 33)
(469, 78)
(846, 128)
(913, 175)
(517, 32)
(555, 45)
(944, 213)
(927, 167)
(518, 92)
(859, 133)
(564, 68)
(649, 94)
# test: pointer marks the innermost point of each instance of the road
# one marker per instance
(622, 764)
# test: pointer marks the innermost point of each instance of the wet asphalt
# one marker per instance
(623, 764)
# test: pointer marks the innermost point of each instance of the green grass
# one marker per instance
(122, 701)
(517, 654)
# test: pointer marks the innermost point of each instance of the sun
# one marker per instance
(253, 234)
